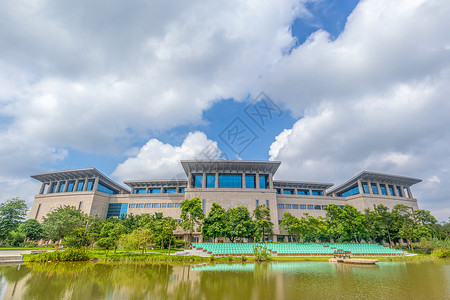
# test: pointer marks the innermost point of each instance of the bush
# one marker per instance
(441, 252)
(30, 244)
(261, 253)
(244, 258)
(212, 258)
(61, 255)
(230, 258)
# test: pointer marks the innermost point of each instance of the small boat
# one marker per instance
(360, 261)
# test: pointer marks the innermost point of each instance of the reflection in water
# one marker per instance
(295, 280)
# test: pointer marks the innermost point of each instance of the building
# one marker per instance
(228, 183)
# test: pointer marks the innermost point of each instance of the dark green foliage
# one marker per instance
(12, 212)
(61, 255)
(32, 229)
(62, 221)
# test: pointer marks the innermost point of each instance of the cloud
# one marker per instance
(156, 160)
(375, 99)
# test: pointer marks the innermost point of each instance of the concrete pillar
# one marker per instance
(189, 182)
(57, 187)
(409, 192)
(162, 189)
(42, 188)
(66, 185)
(369, 185)
(85, 184)
(75, 185)
(97, 179)
(334, 194)
(360, 187)
(310, 192)
(204, 180)
(379, 188)
(258, 186)
(243, 180)
(270, 181)
(146, 189)
(402, 190)
(216, 180)
(49, 187)
(324, 192)
(388, 191)
(395, 190)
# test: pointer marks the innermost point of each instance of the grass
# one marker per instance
(26, 248)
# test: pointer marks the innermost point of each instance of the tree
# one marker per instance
(353, 224)
(191, 214)
(106, 243)
(15, 238)
(111, 234)
(291, 225)
(263, 223)
(77, 238)
(334, 218)
(139, 238)
(32, 229)
(12, 212)
(240, 224)
(214, 225)
(61, 221)
(387, 223)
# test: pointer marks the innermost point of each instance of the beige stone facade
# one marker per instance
(228, 183)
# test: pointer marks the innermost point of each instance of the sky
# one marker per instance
(329, 88)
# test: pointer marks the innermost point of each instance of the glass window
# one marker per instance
(140, 205)
(230, 181)
(61, 187)
(279, 223)
(181, 190)
(302, 192)
(171, 205)
(399, 191)
(383, 189)
(250, 181)
(132, 205)
(70, 186)
(324, 206)
(349, 192)
(257, 202)
(310, 206)
(148, 205)
(170, 190)
(280, 205)
(263, 181)
(288, 192)
(136, 191)
(365, 188)
(318, 207)
(317, 193)
(53, 188)
(90, 185)
(177, 205)
(163, 205)
(294, 206)
(302, 206)
(210, 181)
(80, 186)
(374, 189)
(203, 204)
(104, 189)
(198, 181)
(287, 206)
(391, 189)
(154, 191)
(155, 205)
(267, 203)
(278, 191)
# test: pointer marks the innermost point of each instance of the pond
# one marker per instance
(283, 280)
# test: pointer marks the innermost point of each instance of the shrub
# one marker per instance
(244, 258)
(441, 252)
(212, 258)
(61, 255)
(230, 258)
(261, 253)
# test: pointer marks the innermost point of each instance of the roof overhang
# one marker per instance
(377, 177)
(230, 166)
(159, 183)
(301, 184)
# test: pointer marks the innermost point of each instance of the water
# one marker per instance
(295, 280)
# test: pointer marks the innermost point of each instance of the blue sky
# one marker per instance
(133, 87)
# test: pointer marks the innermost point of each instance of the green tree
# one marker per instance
(334, 219)
(291, 225)
(112, 233)
(240, 224)
(263, 223)
(76, 238)
(387, 223)
(32, 229)
(12, 212)
(353, 224)
(106, 243)
(214, 225)
(191, 215)
(61, 221)
(15, 238)
(139, 238)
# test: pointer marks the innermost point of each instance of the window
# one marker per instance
(154, 191)
(302, 206)
(278, 191)
(288, 191)
(53, 187)
(399, 190)
(104, 189)
(117, 210)
(279, 222)
(177, 205)
(263, 181)
(155, 205)
(374, 206)
(203, 205)
(132, 205)
(79, 205)
(70, 186)
(317, 207)
(140, 205)
(250, 181)
(280, 205)
(294, 206)
(317, 193)
(171, 205)
(181, 190)
(324, 206)
(148, 205)
(80, 186)
(198, 181)
(61, 187)
(136, 191)
(391, 189)
(230, 181)
(383, 189)
(374, 189)
(257, 202)
(349, 192)
(90, 185)
(310, 206)
(163, 205)
(210, 181)
(267, 203)
(287, 206)
(302, 192)
(365, 188)
(170, 190)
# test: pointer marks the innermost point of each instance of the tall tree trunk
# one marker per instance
(170, 240)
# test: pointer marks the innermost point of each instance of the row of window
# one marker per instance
(170, 190)
(355, 190)
(303, 206)
(299, 192)
(154, 205)
(230, 181)
(80, 186)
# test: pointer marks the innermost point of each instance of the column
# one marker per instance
(379, 189)
(369, 185)
(57, 187)
(204, 180)
(162, 189)
(42, 188)
(310, 192)
(409, 192)
(85, 184)
(270, 181)
(243, 180)
(66, 185)
(281, 190)
(360, 187)
(388, 191)
(258, 186)
(402, 189)
(49, 187)
(75, 185)
(95, 187)
(177, 189)
(324, 192)
(189, 182)
(146, 189)
(334, 194)
(216, 180)
(395, 190)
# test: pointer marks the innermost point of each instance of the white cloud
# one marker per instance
(156, 160)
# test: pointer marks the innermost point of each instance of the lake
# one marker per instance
(277, 280)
